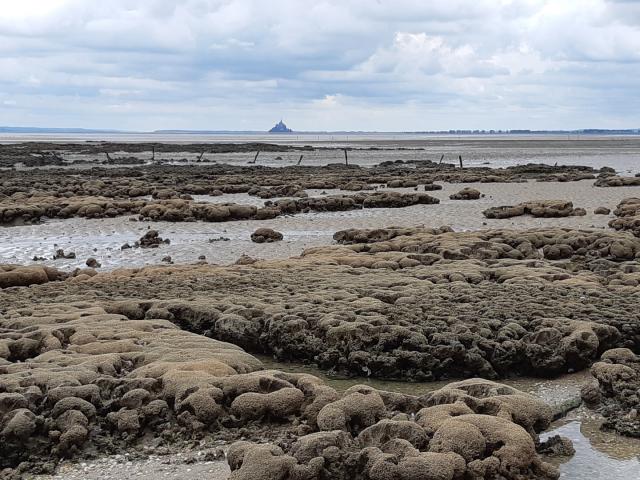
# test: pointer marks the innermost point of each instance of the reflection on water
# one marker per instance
(554, 392)
(599, 455)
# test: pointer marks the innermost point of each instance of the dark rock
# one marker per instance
(93, 263)
(267, 235)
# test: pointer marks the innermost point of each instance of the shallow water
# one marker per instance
(619, 152)
(554, 392)
(102, 238)
(599, 455)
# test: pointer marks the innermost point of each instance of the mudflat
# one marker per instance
(134, 300)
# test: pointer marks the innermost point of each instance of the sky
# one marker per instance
(374, 65)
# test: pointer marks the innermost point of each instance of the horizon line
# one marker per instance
(81, 130)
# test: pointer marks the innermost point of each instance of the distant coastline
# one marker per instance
(586, 131)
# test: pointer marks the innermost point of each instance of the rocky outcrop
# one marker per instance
(166, 182)
(466, 193)
(151, 239)
(360, 308)
(278, 191)
(180, 210)
(355, 235)
(92, 263)
(616, 181)
(386, 199)
(21, 276)
(245, 260)
(546, 208)
(614, 392)
(474, 429)
(267, 235)
(628, 216)
(76, 378)
(72, 376)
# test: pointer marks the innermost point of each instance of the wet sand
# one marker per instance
(154, 467)
(102, 238)
(621, 152)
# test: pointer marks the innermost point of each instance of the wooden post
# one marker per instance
(255, 159)
(346, 157)
(153, 153)
(300, 160)
(108, 157)
(441, 159)
(460, 158)
(200, 156)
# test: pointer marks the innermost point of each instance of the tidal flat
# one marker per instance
(394, 331)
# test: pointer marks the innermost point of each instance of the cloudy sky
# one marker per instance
(383, 65)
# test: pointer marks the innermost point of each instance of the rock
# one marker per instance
(165, 194)
(615, 391)
(466, 193)
(151, 239)
(219, 239)
(450, 304)
(628, 216)
(278, 191)
(260, 462)
(546, 208)
(557, 446)
(245, 260)
(351, 413)
(355, 186)
(402, 183)
(279, 404)
(16, 276)
(448, 440)
(90, 382)
(616, 181)
(19, 424)
(60, 254)
(93, 263)
(602, 211)
(267, 235)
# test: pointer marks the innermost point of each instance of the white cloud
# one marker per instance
(421, 54)
(405, 64)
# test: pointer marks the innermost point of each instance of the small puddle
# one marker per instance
(599, 455)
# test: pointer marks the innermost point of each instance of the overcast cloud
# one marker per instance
(320, 65)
